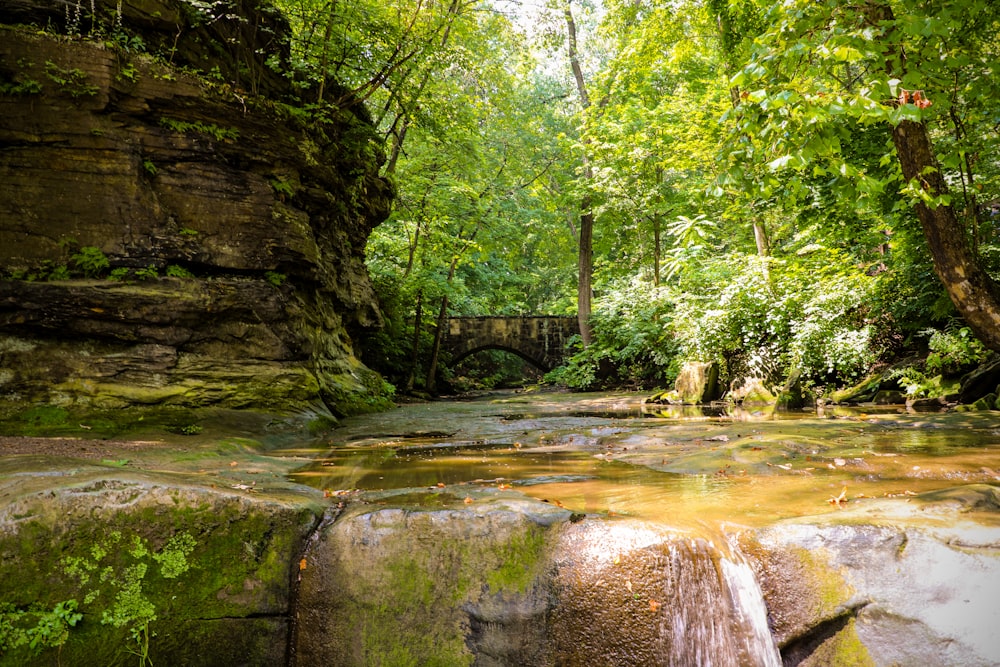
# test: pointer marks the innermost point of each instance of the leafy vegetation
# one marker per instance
(37, 629)
(749, 200)
(113, 577)
(110, 579)
(91, 261)
(208, 129)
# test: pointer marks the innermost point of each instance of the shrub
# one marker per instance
(91, 261)
(954, 350)
(178, 272)
(148, 273)
(275, 278)
(772, 316)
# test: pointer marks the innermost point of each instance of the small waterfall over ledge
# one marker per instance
(632, 594)
(500, 585)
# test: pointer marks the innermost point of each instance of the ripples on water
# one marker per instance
(610, 454)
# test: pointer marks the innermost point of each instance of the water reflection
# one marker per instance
(609, 454)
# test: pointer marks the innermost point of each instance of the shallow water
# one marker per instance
(609, 454)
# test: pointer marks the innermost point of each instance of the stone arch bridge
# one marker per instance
(539, 340)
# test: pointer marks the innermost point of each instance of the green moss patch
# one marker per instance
(395, 587)
(115, 547)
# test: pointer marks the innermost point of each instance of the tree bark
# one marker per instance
(760, 238)
(585, 263)
(415, 346)
(974, 293)
(585, 266)
(442, 319)
(656, 251)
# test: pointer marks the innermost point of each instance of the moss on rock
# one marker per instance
(395, 587)
(55, 542)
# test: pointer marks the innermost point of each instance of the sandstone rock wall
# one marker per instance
(259, 214)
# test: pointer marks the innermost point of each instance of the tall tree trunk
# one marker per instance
(656, 251)
(975, 294)
(760, 238)
(405, 117)
(397, 147)
(325, 53)
(418, 318)
(442, 320)
(585, 264)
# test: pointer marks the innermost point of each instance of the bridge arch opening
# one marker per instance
(494, 367)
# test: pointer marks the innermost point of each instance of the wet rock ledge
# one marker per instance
(239, 566)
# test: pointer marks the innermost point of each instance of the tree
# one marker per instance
(824, 71)
(585, 265)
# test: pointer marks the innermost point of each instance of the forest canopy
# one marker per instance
(799, 188)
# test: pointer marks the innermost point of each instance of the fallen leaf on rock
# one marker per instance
(839, 500)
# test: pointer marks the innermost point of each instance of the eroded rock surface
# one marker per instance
(81, 533)
(506, 582)
(888, 583)
(261, 216)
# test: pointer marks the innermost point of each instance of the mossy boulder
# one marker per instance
(793, 395)
(394, 586)
(505, 582)
(752, 391)
(990, 401)
(979, 382)
(108, 540)
(884, 583)
(862, 392)
(889, 397)
(698, 382)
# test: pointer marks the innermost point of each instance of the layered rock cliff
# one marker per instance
(174, 228)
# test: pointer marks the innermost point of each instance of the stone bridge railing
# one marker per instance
(540, 340)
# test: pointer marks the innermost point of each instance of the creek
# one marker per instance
(610, 454)
(686, 528)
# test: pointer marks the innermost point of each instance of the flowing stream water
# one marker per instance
(611, 454)
(694, 470)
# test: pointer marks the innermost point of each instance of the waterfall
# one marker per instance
(629, 594)
(497, 588)
(748, 603)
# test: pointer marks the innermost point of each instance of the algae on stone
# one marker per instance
(240, 564)
(395, 587)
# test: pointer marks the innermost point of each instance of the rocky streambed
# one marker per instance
(512, 530)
